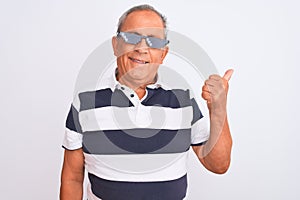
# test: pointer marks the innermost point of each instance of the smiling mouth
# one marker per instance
(138, 61)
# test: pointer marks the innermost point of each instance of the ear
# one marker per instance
(165, 51)
(114, 42)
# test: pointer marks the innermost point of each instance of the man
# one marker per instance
(122, 121)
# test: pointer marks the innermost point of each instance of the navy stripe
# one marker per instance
(156, 97)
(103, 98)
(137, 141)
(167, 98)
(72, 121)
(120, 190)
(197, 114)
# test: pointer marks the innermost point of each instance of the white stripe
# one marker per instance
(137, 167)
(154, 117)
(200, 131)
(72, 140)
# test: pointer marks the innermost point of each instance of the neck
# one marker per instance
(140, 92)
(139, 87)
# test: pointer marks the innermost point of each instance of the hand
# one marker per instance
(215, 90)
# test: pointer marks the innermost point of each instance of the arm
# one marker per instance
(216, 152)
(72, 175)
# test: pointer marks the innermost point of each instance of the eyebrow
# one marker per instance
(151, 35)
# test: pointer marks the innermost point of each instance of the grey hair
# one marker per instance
(141, 8)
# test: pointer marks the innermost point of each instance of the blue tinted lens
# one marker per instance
(158, 43)
(152, 42)
(130, 38)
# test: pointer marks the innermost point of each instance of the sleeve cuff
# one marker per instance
(72, 140)
(200, 132)
(199, 144)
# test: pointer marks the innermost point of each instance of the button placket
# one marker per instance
(130, 94)
(142, 116)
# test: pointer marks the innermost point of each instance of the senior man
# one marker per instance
(116, 133)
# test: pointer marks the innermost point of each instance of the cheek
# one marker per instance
(123, 49)
(156, 56)
(121, 61)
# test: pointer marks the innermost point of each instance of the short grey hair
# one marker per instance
(141, 8)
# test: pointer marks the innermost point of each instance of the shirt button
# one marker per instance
(132, 95)
(122, 88)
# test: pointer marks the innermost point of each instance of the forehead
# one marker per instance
(144, 22)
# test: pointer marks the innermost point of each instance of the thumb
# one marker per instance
(228, 74)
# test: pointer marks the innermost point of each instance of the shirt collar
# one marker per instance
(113, 84)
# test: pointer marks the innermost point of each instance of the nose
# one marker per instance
(142, 46)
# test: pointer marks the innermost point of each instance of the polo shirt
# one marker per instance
(135, 148)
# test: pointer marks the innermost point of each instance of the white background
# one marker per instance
(44, 43)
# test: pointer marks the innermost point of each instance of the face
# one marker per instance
(137, 63)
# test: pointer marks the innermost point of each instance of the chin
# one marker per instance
(139, 75)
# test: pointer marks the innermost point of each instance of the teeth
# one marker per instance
(138, 61)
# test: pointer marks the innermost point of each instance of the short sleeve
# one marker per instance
(73, 134)
(200, 126)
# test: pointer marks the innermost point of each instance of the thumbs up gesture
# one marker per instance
(215, 90)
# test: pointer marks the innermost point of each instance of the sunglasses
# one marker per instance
(152, 42)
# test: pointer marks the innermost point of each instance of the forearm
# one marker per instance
(215, 154)
(71, 190)
(72, 175)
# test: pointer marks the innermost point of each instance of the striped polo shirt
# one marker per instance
(135, 148)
